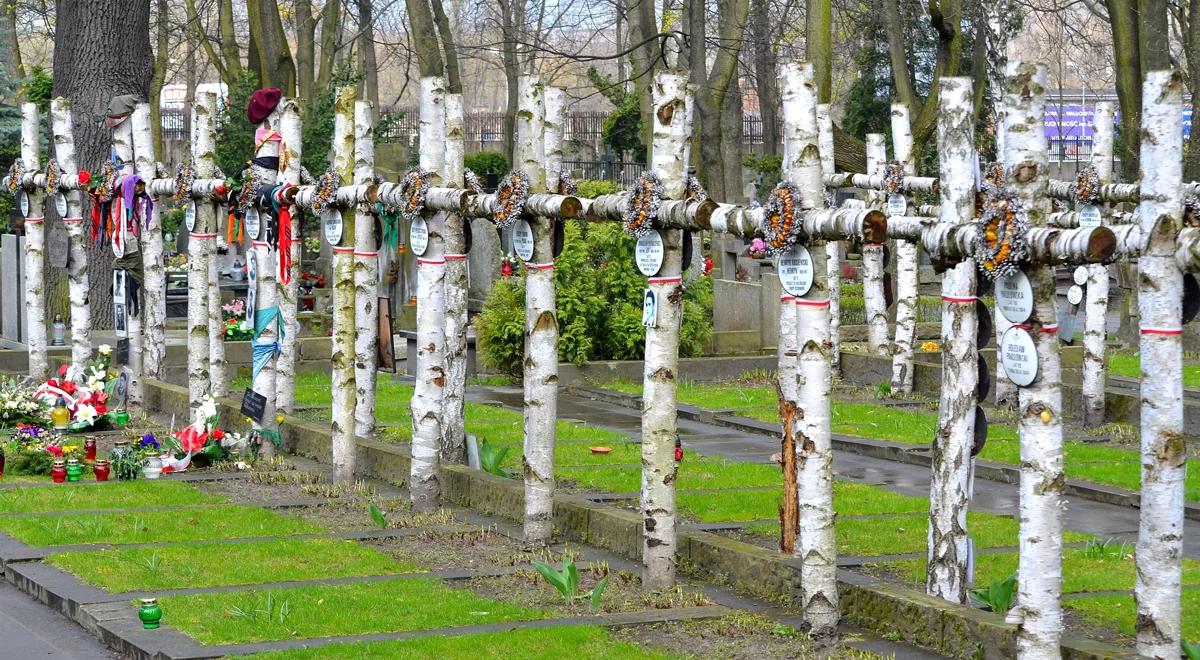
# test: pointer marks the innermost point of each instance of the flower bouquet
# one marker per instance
(32, 450)
(199, 442)
(236, 328)
(19, 405)
(85, 392)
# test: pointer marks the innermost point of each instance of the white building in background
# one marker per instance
(174, 96)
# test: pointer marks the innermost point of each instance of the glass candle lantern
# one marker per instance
(60, 415)
(59, 472)
(74, 469)
(150, 612)
(101, 469)
(58, 331)
(89, 448)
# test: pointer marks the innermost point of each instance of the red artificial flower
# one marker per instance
(54, 449)
(100, 408)
(191, 439)
(218, 434)
(62, 371)
(68, 387)
(708, 266)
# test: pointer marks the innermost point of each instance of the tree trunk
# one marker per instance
(644, 59)
(228, 41)
(765, 65)
(77, 263)
(950, 473)
(1095, 330)
(331, 33)
(454, 434)
(1160, 532)
(161, 60)
(366, 54)
(278, 66)
(430, 374)
(1038, 612)
(1123, 20)
(285, 374)
(872, 261)
(731, 143)
(906, 266)
(35, 249)
(218, 385)
(366, 276)
(10, 42)
(201, 240)
(833, 249)
(154, 285)
(819, 45)
(1191, 158)
(449, 51)
(344, 398)
(306, 43)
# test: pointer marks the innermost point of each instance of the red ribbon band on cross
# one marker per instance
(800, 302)
(366, 255)
(955, 299)
(72, 219)
(343, 250)
(1162, 331)
(260, 244)
(672, 279)
(784, 299)
(432, 262)
(34, 221)
(202, 236)
(549, 266)
(455, 257)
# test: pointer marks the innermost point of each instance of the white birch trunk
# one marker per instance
(906, 266)
(1095, 313)
(285, 365)
(833, 249)
(1160, 532)
(669, 157)
(266, 292)
(122, 146)
(154, 277)
(430, 374)
(344, 395)
(1038, 612)
(454, 433)
(817, 548)
(200, 248)
(205, 135)
(77, 272)
(950, 474)
(1006, 390)
(366, 276)
(872, 260)
(35, 251)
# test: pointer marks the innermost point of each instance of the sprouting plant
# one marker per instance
(998, 597)
(151, 563)
(378, 516)
(491, 458)
(1109, 548)
(566, 582)
(269, 612)
(1191, 650)
(883, 390)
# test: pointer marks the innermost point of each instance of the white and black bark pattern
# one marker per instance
(817, 547)
(77, 270)
(154, 284)
(872, 260)
(366, 276)
(430, 374)
(1038, 612)
(1096, 305)
(342, 358)
(671, 133)
(266, 288)
(1160, 283)
(206, 164)
(949, 480)
(454, 433)
(906, 265)
(201, 241)
(35, 251)
(122, 146)
(833, 249)
(285, 365)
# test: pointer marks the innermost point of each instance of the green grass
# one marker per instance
(521, 643)
(695, 472)
(849, 499)
(313, 388)
(344, 609)
(120, 495)
(1130, 366)
(175, 525)
(195, 564)
(1119, 613)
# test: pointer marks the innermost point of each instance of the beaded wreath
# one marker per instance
(327, 186)
(695, 191)
(472, 181)
(106, 186)
(52, 176)
(510, 198)
(15, 173)
(414, 187)
(642, 207)
(1000, 245)
(1086, 189)
(566, 184)
(893, 177)
(185, 176)
(780, 227)
(1191, 211)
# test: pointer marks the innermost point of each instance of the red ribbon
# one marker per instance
(285, 244)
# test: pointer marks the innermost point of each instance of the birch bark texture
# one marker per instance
(817, 548)
(671, 133)
(35, 251)
(906, 265)
(1038, 612)
(833, 249)
(541, 324)
(344, 395)
(206, 165)
(872, 260)
(266, 291)
(366, 276)
(430, 375)
(285, 365)
(1157, 590)
(950, 474)
(201, 238)
(135, 313)
(77, 271)
(154, 284)
(454, 433)
(1095, 312)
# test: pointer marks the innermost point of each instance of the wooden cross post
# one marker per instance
(906, 261)
(126, 301)
(285, 364)
(366, 276)
(454, 432)
(30, 206)
(340, 232)
(154, 277)
(202, 237)
(77, 272)
(833, 249)
(873, 266)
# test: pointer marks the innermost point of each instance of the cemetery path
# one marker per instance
(31, 630)
(1103, 520)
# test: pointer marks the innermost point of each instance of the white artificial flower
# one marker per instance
(104, 349)
(74, 373)
(207, 409)
(85, 413)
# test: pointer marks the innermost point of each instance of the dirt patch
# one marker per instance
(473, 549)
(737, 636)
(622, 594)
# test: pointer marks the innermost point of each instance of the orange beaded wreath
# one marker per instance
(510, 198)
(414, 187)
(644, 200)
(1086, 189)
(1000, 245)
(780, 226)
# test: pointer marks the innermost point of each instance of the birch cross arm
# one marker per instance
(1188, 250)
(201, 188)
(927, 184)
(538, 205)
(1108, 192)
(344, 197)
(1070, 219)
(31, 181)
(952, 243)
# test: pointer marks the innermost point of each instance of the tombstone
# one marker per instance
(483, 265)
(12, 303)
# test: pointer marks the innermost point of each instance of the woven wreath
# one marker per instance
(52, 173)
(245, 198)
(472, 181)
(1001, 246)
(106, 188)
(993, 176)
(780, 226)
(510, 198)
(1086, 189)
(893, 177)
(15, 172)
(414, 187)
(327, 186)
(642, 207)
(695, 191)
(185, 177)
(1191, 211)
(566, 184)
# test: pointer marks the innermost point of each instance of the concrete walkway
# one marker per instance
(1103, 520)
(29, 630)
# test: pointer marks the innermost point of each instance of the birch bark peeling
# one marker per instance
(454, 433)
(877, 181)
(950, 472)
(206, 167)
(1160, 284)
(77, 271)
(285, 366)
(154, 285)
(342, 358)
(35, 251)
(1038, 613)
(200, 246)
(266, 289)
(1095, 331)
(906, 265)
(671, 133)
(430, 374)
(817, 547)
(872, 260)
(833, 249)
(366, 276)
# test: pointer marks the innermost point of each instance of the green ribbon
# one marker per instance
(261, 353)
(391, 226)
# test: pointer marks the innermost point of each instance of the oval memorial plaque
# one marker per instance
(189, 216)
(1075, 294)
(331, 219)
(23, 203)
(1089, 216)
(649, 253)
(418, 236)
(896, 204)
(796, 270)
(1019, 356)
(60, 204)
(253, 223)
(1014, 297)
(522, 240)
(1080, 275)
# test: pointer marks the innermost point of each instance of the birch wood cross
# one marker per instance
(35, 241)
(70, 180)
